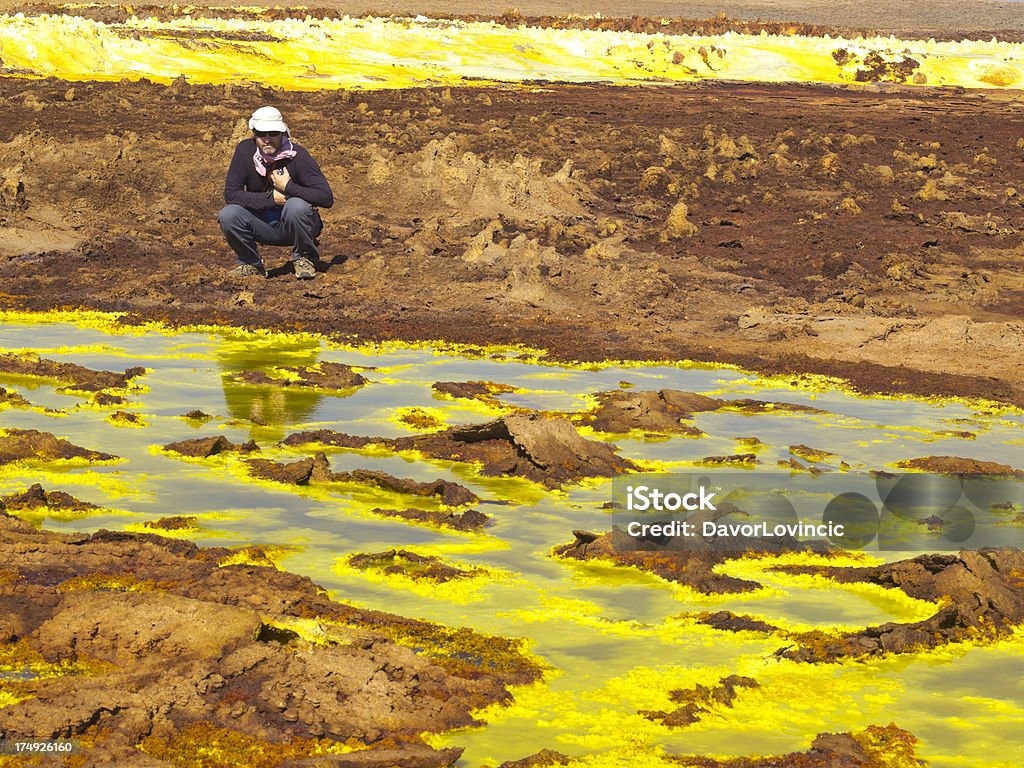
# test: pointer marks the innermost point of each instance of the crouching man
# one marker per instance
(273, 190)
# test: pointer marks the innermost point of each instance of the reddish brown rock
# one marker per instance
(874, 746)
(35, 498)
(335, 376)
(700, 700)
(33, 445)
(981, 592)
(470, 520)
(547, 451)
(204, 447)
(451, 494)
(731, 622)
(694, 569)
(12, 398)
(326, 437)
(662, 411)
(75, 376)
(954, 465)
(289, 473)
(402, 562)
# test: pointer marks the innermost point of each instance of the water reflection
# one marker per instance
(272, 410)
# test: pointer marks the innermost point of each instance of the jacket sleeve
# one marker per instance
(235, 184)
(308, 182)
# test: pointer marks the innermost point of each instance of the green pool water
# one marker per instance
(612, 638)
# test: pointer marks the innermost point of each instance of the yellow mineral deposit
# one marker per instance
(371, 53)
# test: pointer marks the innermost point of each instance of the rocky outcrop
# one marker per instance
(470, 520)
(33, 445)
(317, 469)
(204, 447)
(980, 593)
(168, 643)
(954, 465)
(874, 746)
(76, 377)
(36, 498)
(323, 376)
(548, 451)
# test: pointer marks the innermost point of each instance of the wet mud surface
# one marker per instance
(872, 234)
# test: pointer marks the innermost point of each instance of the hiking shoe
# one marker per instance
(304, 268)
(246, 270)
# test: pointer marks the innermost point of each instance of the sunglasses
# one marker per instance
(267, 134)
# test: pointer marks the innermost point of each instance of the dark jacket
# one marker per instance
(245, 187)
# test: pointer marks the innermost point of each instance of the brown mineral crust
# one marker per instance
(874, 746)
(700, 700)
(661, 411)
(747, 405)
(198, 415)
(33, 445)
(542, 759)
(35, 497)
(173, 523)
(471, 390)
(954, 465)
(12, 398)
(204, 447)
(546, 451)
(982, 596)
(731, 622)
(692, 568)
(736, 458)
(327, 437)
(470, 520)
(405, 563)
(326, 375)
(289, 473)
(451, 494)
(76, 376)
(199, 645)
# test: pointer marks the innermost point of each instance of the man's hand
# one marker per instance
(280, 177)
(279, 198)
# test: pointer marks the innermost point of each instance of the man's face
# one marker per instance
(268, 142)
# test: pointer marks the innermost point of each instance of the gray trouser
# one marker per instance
(299, 226)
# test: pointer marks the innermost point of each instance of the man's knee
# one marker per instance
(295, 209)
(231, 215)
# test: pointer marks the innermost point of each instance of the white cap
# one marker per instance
(267, 119)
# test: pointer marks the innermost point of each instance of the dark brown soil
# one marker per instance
(871, 233)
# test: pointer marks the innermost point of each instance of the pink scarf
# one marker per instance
(261, 162)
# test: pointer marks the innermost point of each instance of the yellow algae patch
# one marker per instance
(420, 418)
(373, 53)
(212, 746)
(264, 555)
(111, 582)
